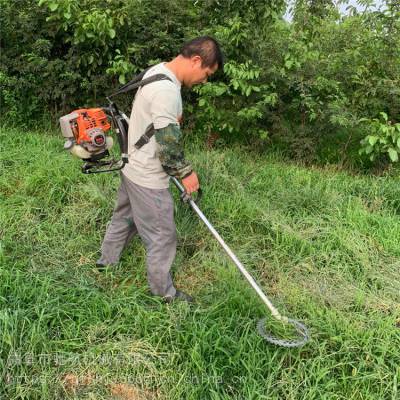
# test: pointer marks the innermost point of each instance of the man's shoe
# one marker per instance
(179, 295)
(102, 267)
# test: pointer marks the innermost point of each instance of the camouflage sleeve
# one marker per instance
(170, 152)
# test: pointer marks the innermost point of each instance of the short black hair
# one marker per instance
(207, 48)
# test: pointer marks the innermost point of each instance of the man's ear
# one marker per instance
(196, 60)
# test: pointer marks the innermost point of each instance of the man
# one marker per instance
(144, 203)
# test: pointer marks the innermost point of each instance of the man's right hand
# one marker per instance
(191, 183)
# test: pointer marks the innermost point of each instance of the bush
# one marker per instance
(304, 84)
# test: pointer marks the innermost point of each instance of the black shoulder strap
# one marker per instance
(145, 138)
(138, 81)
(135, 83)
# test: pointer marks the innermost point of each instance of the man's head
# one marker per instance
(197, 60)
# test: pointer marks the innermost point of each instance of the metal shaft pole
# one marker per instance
(230, 253)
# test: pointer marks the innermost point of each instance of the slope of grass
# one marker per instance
(323, 244)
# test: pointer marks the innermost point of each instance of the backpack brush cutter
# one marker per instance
(87, 133)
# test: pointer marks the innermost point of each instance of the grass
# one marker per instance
(323, 244)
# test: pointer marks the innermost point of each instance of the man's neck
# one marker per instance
(174, 67)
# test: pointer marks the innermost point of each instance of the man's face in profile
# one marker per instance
(198, 73)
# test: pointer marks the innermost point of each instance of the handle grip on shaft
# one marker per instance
(185, 197)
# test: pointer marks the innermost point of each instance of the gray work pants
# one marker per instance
(150, 213)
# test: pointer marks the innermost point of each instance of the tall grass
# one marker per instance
(323, 244)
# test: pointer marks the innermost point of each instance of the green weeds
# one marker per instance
(323, 244)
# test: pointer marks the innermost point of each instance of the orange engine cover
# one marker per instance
(89, 119)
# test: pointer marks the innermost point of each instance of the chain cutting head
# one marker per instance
(303, 334)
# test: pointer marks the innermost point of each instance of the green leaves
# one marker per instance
(53, 6)
(393, 154)
(372, 140)
(385, 138)
(120, 66)
(307, 82)
(238, 104)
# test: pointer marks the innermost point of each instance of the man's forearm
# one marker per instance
(170, 151)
